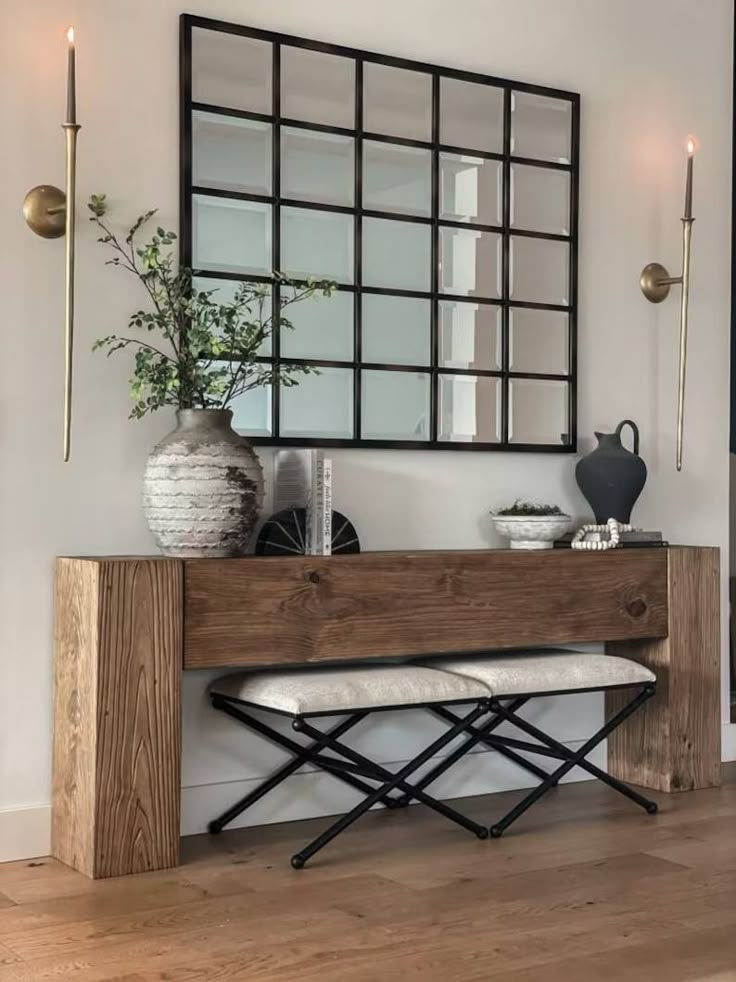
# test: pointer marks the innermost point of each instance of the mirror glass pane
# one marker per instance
(470, 189)
(396, 254)
(317, 243)
(396, 330)
(397, 178)
(469, 335)
(319, 406)
(540, 270)
(541, 127)
(231, 236)
(231, 154)
(317, 166)
(538, 411)
(322, 327)
(470, 409)
(470, 262)
(539, 341)
(317, 87)
(231, 71)
(397, 102)
(471, 115)
(252, 412)
(540, 199)
(224, 293)
(395, 405)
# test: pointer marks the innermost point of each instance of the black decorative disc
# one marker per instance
(285, 534)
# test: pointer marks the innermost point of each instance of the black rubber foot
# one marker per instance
(392, 803)
(482, 833)
(496, 832)
(652, 808)
(297, 861)
(214, 828)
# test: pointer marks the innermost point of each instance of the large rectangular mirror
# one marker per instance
(442, 202)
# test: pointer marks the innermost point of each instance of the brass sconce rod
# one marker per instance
(655, 282)
(70, 136)
(51, 213)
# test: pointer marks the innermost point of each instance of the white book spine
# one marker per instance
(315, 505)
(327, 508)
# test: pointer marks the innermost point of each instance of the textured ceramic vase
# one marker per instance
(203, 487)
(611, 477)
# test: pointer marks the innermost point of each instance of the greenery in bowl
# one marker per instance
(525, 509)
(196, 352)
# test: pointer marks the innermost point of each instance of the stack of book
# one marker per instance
(303, 479)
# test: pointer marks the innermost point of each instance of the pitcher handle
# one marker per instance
(634, 430)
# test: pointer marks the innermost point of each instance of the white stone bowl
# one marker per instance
(532, 531)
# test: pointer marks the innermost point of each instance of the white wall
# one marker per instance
(649, 71)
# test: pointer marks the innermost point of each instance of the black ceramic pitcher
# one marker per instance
(611, 477)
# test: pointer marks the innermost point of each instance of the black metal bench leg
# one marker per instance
(613, 782)
(394, 781)
(500, 827)
(302, 755)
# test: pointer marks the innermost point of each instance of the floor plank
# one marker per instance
(584, 887)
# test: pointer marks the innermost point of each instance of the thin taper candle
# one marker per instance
(689, 179)
(71, 80)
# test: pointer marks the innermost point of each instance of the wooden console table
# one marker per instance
(127, 626)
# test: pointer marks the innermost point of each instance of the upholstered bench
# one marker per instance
(353, 694)
(514, 679)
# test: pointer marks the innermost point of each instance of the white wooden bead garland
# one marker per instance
(612, 527)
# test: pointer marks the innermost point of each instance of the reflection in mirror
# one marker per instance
(397, 102)
(539, 341)
(320, 406)
(470, 409)
(470, 262)
(541, 127)
(317, 87)
(538, 411)
(231, 236)
(252, 412)
(470, 189)
(317, 166)
(469, 335)
(396, 330)
(317, 243)
(395, 405)
(540, 270)
(322, 328)
(396, 254)
(540, 199)
(231, 71)
(471, 115)
(397, 178)
(223, 292)
(230, 153)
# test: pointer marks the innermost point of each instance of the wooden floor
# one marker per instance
(586, 888)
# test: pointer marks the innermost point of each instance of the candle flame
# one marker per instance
(692, 146)
(70, 35)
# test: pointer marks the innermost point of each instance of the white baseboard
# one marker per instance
(728, 742)
(311, 794)
(25, 833)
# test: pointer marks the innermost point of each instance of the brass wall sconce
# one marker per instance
(50, 213)
(655, 284)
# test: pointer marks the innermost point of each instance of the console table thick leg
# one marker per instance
(674, 743)
(117, 708)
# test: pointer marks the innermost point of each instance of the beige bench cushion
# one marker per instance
(317, 690)
(551, 671)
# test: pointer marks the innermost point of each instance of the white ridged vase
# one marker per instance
(203, 487)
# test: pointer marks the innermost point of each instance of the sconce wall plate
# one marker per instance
(44, 209)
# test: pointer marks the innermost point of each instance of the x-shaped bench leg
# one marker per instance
(392, 781)
(301, 755)
(575, 758)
